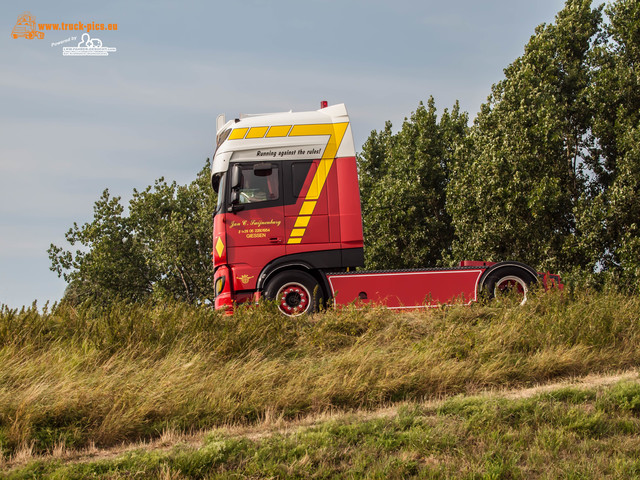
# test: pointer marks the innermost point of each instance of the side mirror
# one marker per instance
(215, 182)
(236, 180)
(236, 177)
(234, 201)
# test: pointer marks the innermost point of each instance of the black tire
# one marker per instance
(507, 279)
(296, 292)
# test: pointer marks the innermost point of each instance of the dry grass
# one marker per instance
(587, 429)
(277, 425)
(80, 376)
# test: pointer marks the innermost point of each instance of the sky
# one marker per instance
(71, 126)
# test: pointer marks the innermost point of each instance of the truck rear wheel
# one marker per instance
(508, 280)
(295, 292)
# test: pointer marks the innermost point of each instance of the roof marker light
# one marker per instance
(324, 104)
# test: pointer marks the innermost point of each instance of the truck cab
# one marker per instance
(288, 207)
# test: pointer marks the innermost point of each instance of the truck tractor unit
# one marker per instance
(288, 225)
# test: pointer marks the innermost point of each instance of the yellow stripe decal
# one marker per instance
(238, 133)
(336, 132)
(257, 132)
(279, 131)
(302, 222)
(306, 209)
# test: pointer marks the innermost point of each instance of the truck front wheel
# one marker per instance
(295, 292)
(509, 280)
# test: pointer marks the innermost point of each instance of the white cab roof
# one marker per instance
(267, 137)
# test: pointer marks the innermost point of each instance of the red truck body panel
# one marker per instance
(410, 289)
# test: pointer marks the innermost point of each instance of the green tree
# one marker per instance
(516, 182)
(610, 218)
(403, 181)
(161, 249)
(372, 162)
(110, 264)
(174, 223)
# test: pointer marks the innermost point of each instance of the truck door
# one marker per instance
(306, 214)
(255, 220)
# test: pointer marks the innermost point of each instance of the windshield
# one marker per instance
(219, 182)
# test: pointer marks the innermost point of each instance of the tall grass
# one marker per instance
(563, 433)
(74, 376)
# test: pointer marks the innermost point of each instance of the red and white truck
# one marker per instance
(288, 224)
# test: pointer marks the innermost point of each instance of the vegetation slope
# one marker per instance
(80, 376)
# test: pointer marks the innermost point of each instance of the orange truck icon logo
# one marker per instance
(26, 27)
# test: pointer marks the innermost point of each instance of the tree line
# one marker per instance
(548, 174)
(159, 250)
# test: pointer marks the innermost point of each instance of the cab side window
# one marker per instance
(259, 185)
(299, 172)
(253, 185)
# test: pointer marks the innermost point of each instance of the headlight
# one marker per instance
(218, 286)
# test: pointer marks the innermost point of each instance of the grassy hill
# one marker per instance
(80, 377)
